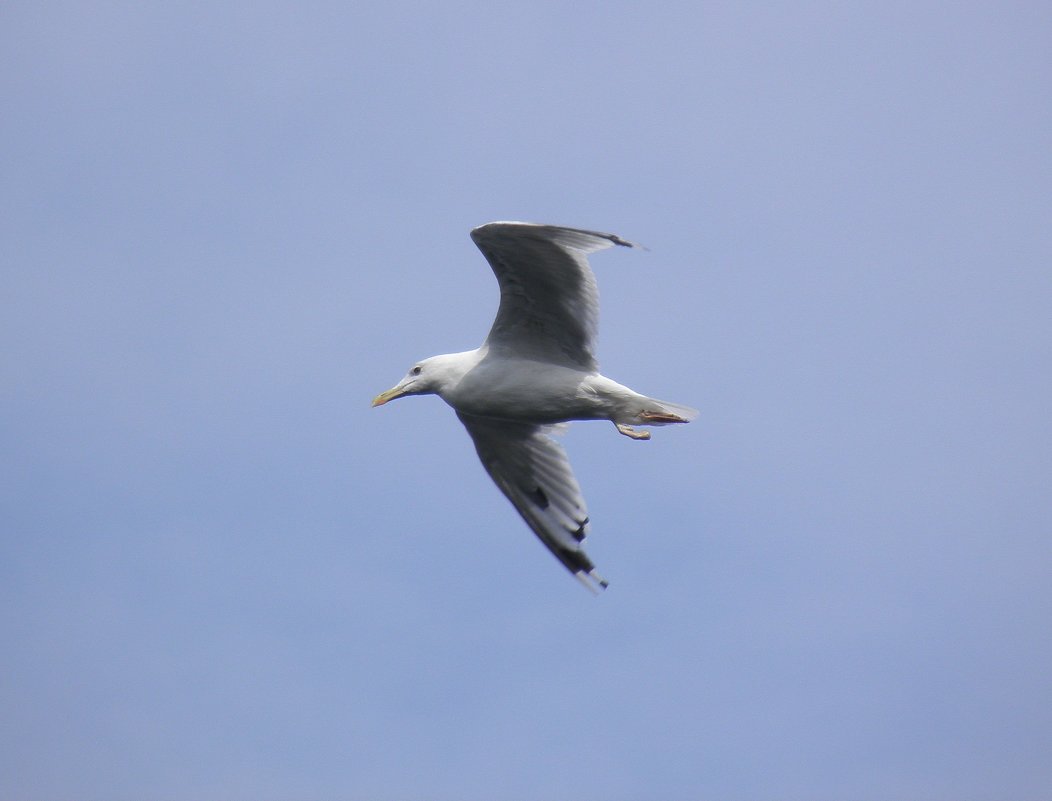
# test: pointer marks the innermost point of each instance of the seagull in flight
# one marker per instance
(537, 369)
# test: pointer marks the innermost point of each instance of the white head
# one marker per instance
(427, 377)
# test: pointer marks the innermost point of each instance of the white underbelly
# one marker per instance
(528, 391)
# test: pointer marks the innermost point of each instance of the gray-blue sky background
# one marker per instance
(226, 227)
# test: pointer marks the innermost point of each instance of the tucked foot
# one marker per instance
(628, 431)
(661, 417)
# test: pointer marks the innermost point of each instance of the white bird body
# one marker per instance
(531, 391)
(537, 368)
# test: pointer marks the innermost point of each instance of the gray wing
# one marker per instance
(549, 305)
(532, 470)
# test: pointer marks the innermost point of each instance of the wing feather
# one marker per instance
(549, 304)
(533, 471)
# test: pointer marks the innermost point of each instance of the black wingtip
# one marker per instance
(479, 232)
(623, 242)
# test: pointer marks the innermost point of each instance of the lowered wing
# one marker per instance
(532, 470)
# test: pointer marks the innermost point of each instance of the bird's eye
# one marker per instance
(416, 370)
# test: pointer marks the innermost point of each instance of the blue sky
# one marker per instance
(226, 227)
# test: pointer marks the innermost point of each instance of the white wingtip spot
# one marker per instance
(592, 581)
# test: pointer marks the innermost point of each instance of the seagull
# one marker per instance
(536, 371)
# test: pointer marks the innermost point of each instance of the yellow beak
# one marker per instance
(390, 395)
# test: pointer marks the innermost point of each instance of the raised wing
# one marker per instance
(549, 305)
(532, 470)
